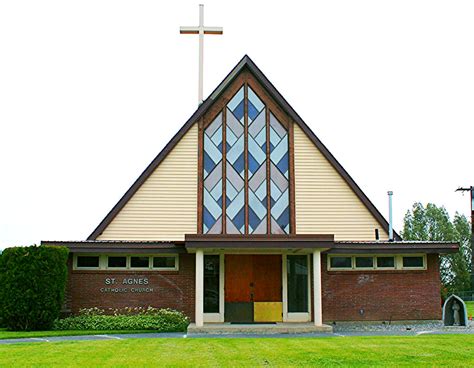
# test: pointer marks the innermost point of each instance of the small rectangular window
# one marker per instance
(341, 262)
(385, 262)
(87, 261)
(164, 262)
(364, 262)
(117, 262)
(139, 262)
(413, 262)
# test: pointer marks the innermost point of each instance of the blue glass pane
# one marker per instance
(255, 100)
(257, 152)
(284, 219)
(235, 150)
(216, 192)
(280, 150)
(254, 221)
(261, 192)
(238, 97)
(236, 205)
(239, 111)
(207, 218)
(253, 164)
(256, 206)
(253, 112)
(283, 164)
(208, 164)
(212, 205)
(239, 165)
(239, 219)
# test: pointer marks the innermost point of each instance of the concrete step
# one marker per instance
(277, 328)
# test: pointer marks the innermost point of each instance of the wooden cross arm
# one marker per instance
(195, 30)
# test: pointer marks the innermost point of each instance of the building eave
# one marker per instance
(119, 246)
(396, 247)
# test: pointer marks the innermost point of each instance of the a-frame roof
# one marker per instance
(245, 63)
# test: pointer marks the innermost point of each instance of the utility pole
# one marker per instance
(471, 190)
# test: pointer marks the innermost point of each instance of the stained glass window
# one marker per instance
(279, 183)
(212, 193)
(255, 164)
(235, 165)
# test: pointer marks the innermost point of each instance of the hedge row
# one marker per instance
(33, 281)
(159, 320)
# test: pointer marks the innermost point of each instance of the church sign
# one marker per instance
(126, 285)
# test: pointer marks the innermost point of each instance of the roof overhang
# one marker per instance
(120, 246)
(395, 247)
(258, 242)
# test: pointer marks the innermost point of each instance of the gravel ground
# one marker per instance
(398, 327)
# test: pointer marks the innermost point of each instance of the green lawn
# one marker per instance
(4, 334)
(439, 351)
(470, 308)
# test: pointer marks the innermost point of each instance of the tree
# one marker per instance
(432, 223)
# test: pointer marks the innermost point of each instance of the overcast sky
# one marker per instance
(91, 91)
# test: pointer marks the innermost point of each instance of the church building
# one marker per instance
(246, 217)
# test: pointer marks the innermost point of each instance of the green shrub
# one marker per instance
(33, 281)
(160, 320)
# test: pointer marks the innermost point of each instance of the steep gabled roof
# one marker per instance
(245, 63)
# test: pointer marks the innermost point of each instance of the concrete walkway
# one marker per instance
(246, 335)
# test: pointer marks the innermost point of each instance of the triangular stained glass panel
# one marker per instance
(236, 100)
(255, 100)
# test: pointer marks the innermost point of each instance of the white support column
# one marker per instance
(318, 306)
(199, 317)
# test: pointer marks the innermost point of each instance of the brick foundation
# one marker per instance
(382, 295)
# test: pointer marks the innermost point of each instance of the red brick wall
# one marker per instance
(383, 295)
(171, 289)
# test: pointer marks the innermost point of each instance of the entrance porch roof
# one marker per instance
(274, 241)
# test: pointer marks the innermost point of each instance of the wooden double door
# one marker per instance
(253, 288)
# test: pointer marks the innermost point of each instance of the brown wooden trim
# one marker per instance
(224, 169)
(291, 173)
(246, 159)
(200, 173)
(269, 201)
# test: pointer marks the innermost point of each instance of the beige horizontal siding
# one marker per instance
(165, 206)
(325, 204)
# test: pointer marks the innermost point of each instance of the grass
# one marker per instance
(470, 308)
(4, 334)
(392, 351)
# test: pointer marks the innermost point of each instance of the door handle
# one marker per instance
(251, 297)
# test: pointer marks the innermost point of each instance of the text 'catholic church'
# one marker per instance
(246, 217)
